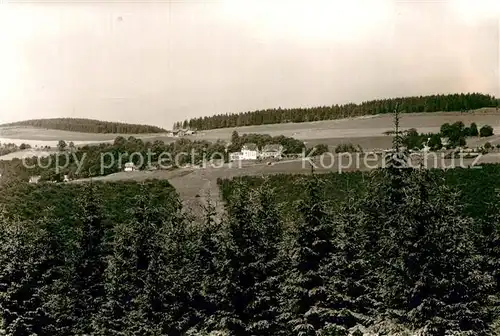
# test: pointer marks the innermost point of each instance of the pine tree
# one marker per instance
(373, 232)
(147, 278)
(351, 269)
(307, 306)
(88, 282)
(58, 261)
(488, 242)
(119, 284)
(433, 277)
(250, 269)
(20, 304)
(42, 263)
(264, 311)
(207, 254)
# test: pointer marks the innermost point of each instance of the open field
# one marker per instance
(27, 154)
(367, 143)
(38, 134)
(366, 131)
(368, 126)
(46, 137)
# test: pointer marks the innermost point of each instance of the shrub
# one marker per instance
(486, 131)
(445, 128)
(62, 145)
(435, 142)
(346, 148)
(473, 130)
(319, 150)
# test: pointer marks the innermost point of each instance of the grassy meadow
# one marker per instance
(368, 131)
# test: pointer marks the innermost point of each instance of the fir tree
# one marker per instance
(19, 271)
(147, 277)
(58, 261)
(351, 269)
(207, 255)
(488, 242)
(36, 277)
(88, 282)
(250, 273)
(434, 280)
(305, 308)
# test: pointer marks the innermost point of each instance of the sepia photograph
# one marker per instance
(249, 168)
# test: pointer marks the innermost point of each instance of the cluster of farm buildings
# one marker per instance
(251, 151)
(36, 179)
(180, 133)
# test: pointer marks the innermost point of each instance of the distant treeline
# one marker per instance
(434, 103)
(88, 126)
(7, 148)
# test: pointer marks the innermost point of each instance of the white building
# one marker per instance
(130, 167)
(249, 151)
(34, 179)
(178, 133)
(236, 156)
(274, 151)
(66, 178)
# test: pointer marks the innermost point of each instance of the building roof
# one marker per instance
(129, 165)
(250, 146)
(273, 148)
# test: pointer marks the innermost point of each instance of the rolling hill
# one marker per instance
(86, 126)
(417, 104)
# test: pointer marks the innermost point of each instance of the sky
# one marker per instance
(157, 62)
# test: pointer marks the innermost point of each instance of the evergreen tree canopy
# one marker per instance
(86, 126)
(433, 103)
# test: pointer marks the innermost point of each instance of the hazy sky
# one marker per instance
(163, 61)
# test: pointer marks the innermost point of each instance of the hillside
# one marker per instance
(433, 103)
(87, 126)
(393, 252)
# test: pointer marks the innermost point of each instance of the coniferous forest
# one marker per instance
(451, 102)
(87, 126)
(398, 255)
